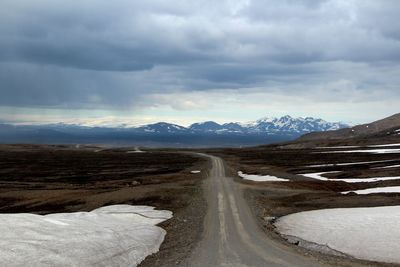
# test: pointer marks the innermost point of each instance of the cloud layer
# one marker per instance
(98, 54)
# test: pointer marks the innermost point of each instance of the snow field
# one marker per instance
(261, 178)
(364, 233)
(348, 163)
(319, 176)
(375, 190)
(373, 151)
(118, 235)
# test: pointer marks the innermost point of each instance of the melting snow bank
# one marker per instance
(337, 147)
(375, 190)
(387, 167)
(134, 151)
(118, 235)
(385, 145)
(319, 176)
(364, 233)
(261, 178)
(349, 163)
(313, 246)
(373, 151)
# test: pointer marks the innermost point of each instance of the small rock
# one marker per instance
(135, 183)
(269, 218)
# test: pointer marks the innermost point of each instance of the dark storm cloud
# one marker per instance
(113, 53)
(97, 35)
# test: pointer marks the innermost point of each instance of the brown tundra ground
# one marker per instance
(48, 179)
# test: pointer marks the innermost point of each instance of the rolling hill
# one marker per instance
(387, 127)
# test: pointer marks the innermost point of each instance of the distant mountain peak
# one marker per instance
(161, 127)
(289, 124)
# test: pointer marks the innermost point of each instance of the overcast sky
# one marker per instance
(101, 61)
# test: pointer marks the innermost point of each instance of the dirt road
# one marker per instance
(231, 234)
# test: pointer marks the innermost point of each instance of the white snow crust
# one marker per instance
(364, 233)
(387, 167)
(261, 178)
(117, 235)
(386, 145)
(319, 176)
(375, 190)
(333, 147)
(372, 151)
(137, 150)
(348, 163)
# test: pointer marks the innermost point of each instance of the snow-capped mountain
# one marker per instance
(162, 127)
(283, 125)
(287, 124)
(263, 131)
(271, 126)
(208, 126)
(213, 127)
(266, 126)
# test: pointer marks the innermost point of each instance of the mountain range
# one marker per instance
(269, 126)
(209, 133)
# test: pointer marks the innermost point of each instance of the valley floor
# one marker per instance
(276, 182)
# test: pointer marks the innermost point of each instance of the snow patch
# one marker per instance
(348, 163)
(336, 147)
(386, 145)
(375, 190)
(261, 178)
(372, 151)
(387, 167)
(137, 150)
(319, 176)
(118, 235)
(195, 171)
(365, 233)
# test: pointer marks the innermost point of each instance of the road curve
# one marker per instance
(231, 235)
